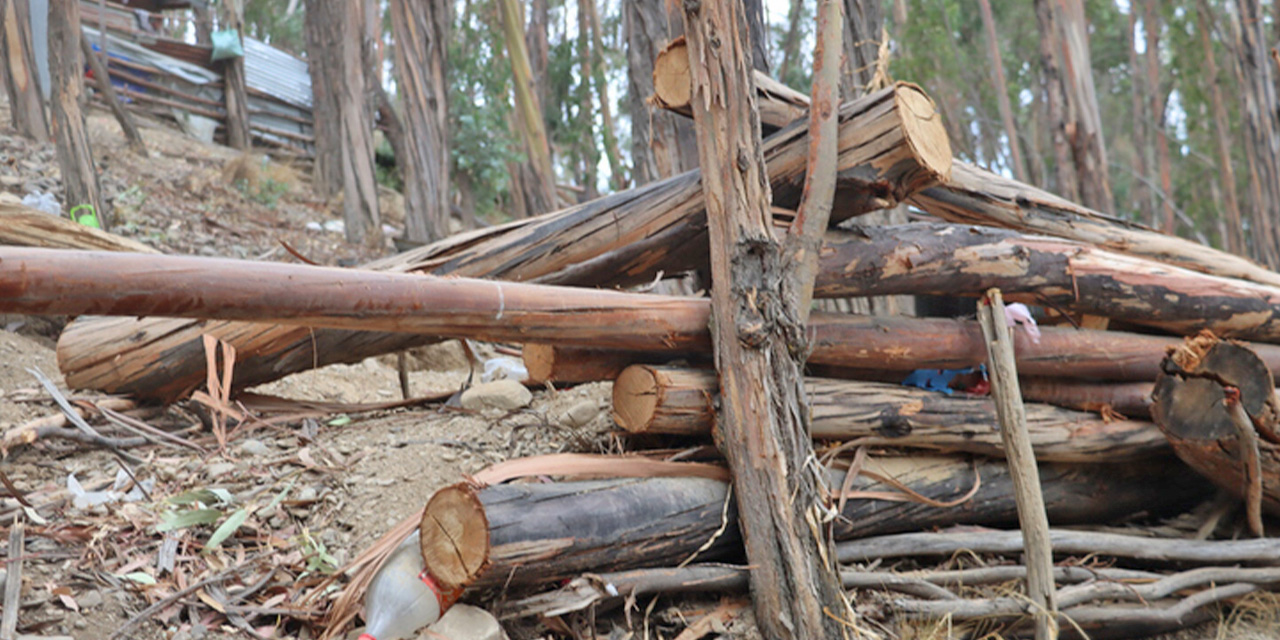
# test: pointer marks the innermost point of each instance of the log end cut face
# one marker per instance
(672, 82)
(1188, 405)
(922, 127)
(635, 398)
(455, 536)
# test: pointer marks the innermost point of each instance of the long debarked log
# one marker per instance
(652, 399)
(623, 238)
(949, 259)
(1191, 409)
(1132, 399)
(522, 534)
(59, 282)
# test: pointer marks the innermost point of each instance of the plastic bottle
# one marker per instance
(403, 597)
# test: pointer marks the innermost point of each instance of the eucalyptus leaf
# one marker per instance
(174, 520)
(139, 577)
(228, 527)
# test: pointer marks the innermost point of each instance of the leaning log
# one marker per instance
(1191, 408)
(624, 238)
(26, 227)
(673, 400)
(948, 259)
(517, 535)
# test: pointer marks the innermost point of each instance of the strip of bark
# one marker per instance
(656, 399)
(946, 259)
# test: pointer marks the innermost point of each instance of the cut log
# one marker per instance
(947, 259)
(52, 281)
(517, 535)
(654, 399)
(572, 365)
(1132, 399)
(624, 238)
(1189, 407)
(26, 227)
(779, 104)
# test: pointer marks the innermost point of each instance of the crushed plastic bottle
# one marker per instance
(42, 201)
(403, 596)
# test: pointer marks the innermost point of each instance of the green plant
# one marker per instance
(267, 193)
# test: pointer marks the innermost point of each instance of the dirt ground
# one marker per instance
(314, 491)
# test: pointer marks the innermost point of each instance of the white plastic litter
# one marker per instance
(403, 597)
(504, 368)
(1018, 314)
(82, 499)
(42, 201)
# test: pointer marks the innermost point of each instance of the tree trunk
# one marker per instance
(322, 25)
(539, 48)
(624, 238)
(791, 41)
(794, 586)
(1190, 407)
(586, 142)
(1223, 138)
(974, 196)
(540, 192)
(1056, 108)
(674, 400)
(26, 103)
(1262, 138)
(66, 71)
(618, 176)
(421, 31)
(757, 34)
(1137, 90)
(1151, 25)
(1001, 88)
(1087, 143)
(662, 144)
(234, 92)
(863, 29)
(202, 19)
(355, 127)
(103, 81)
(936, 259)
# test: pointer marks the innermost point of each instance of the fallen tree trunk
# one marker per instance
(652, 399)
(624, 238)
(520, 534)
(572, 365)
(946, 259)
(1191, 408)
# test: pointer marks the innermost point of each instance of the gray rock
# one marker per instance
(504, 395)
(465, 622)
(581, 414)
(91, 599)
(254, 447)
(219, 468)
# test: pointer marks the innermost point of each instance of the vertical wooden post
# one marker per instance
(66, 72)
(26, 104)
(762, 429)
(355, 115)
(235, 95)
(1023, 470)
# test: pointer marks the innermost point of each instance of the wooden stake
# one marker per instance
(1022, 463)
(13, 581)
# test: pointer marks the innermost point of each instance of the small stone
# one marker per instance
(80, 623)
(581, 414)
(449, 455)
(465, 622)
(308, 494)
(90, 599)
(504, 395)
(254, 447)
(219, 468)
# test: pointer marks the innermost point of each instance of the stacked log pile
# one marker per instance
(1112, 415)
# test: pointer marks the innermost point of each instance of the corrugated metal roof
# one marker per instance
(276, 73)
